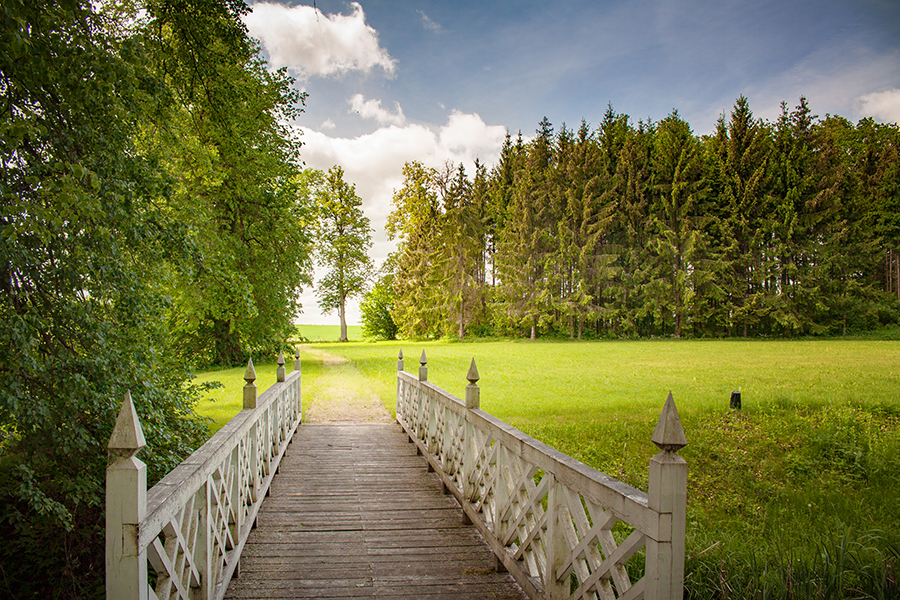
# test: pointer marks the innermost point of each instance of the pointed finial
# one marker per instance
(669, 435)
(473, 394)
(400, 361)
(423, 368)
(472, 375)
(127, 436)
(400, 356)
(280, 372)
(250, 373)
(296, 358)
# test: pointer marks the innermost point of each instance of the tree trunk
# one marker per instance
(342, 312)
(227, 350)
(462, 322)
(533, 328)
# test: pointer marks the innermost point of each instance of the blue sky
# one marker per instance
(438, 81)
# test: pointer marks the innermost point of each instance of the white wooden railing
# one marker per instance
(560, 527)
(190, 527)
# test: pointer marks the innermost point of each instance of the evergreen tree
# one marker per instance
(741, 165)
(525, 243)
(678, 241)
(416, 221)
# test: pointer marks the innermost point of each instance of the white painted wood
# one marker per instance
(191, 526)
(504, 479)
(126, 507)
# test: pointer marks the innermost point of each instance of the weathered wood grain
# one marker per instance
(354, 514)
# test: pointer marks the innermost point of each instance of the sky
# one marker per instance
(391, 81)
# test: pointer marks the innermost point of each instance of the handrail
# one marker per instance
(191, 527)
(560, 527)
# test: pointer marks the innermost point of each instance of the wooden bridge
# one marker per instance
(449, 502)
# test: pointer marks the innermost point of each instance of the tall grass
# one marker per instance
(795, 496)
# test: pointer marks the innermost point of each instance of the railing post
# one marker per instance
(126, 507)
(555, 547)
(667, 495)
(420, 413)
(400, 407)
(473, 402)
(280, 373)
(299, 397)
(423, 367)
(250, 388)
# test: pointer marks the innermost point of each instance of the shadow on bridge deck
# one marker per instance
(354, 514)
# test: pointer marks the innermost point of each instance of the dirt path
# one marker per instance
(342, 394)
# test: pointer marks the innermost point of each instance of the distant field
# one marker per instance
(329, 333)
(805, 475)
(800, 488)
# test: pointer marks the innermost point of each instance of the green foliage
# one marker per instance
(376, 312)
(644, 230)
(219, 132)
(82, 316)
(344, 239)
(147, 220)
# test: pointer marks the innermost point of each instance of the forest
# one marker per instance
(646, 229)
(153, 220)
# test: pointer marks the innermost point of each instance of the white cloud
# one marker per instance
(372, 109)
(311, 43)
(467, 133)
(374, 163)
(428, 23)
(327, 124)
(884, 106)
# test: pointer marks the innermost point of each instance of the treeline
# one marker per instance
(633, 230)
(152, 222)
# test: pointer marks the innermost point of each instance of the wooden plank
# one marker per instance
(353, 513)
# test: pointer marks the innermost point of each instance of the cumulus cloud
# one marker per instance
(311, 43)
(884, 106)
(327, 124)
(374, 163)
(372, 109)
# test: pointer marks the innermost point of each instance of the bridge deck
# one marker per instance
(354, 514)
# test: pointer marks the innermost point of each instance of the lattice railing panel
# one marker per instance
(563, 529)
(192, 525)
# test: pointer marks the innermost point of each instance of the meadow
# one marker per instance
(328, 333)
(795, 495)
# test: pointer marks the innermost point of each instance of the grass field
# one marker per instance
(796, 495)
(329, 333)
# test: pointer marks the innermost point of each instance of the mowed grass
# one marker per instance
(329, 333)
(807, 475)
(795, 494)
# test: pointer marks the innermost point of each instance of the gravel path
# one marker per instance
(343, 395)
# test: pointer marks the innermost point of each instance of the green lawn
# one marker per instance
(791, 490)
(329, 333)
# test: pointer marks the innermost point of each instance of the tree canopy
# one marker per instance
(344, 238)
(646, 229)
(150, 223)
